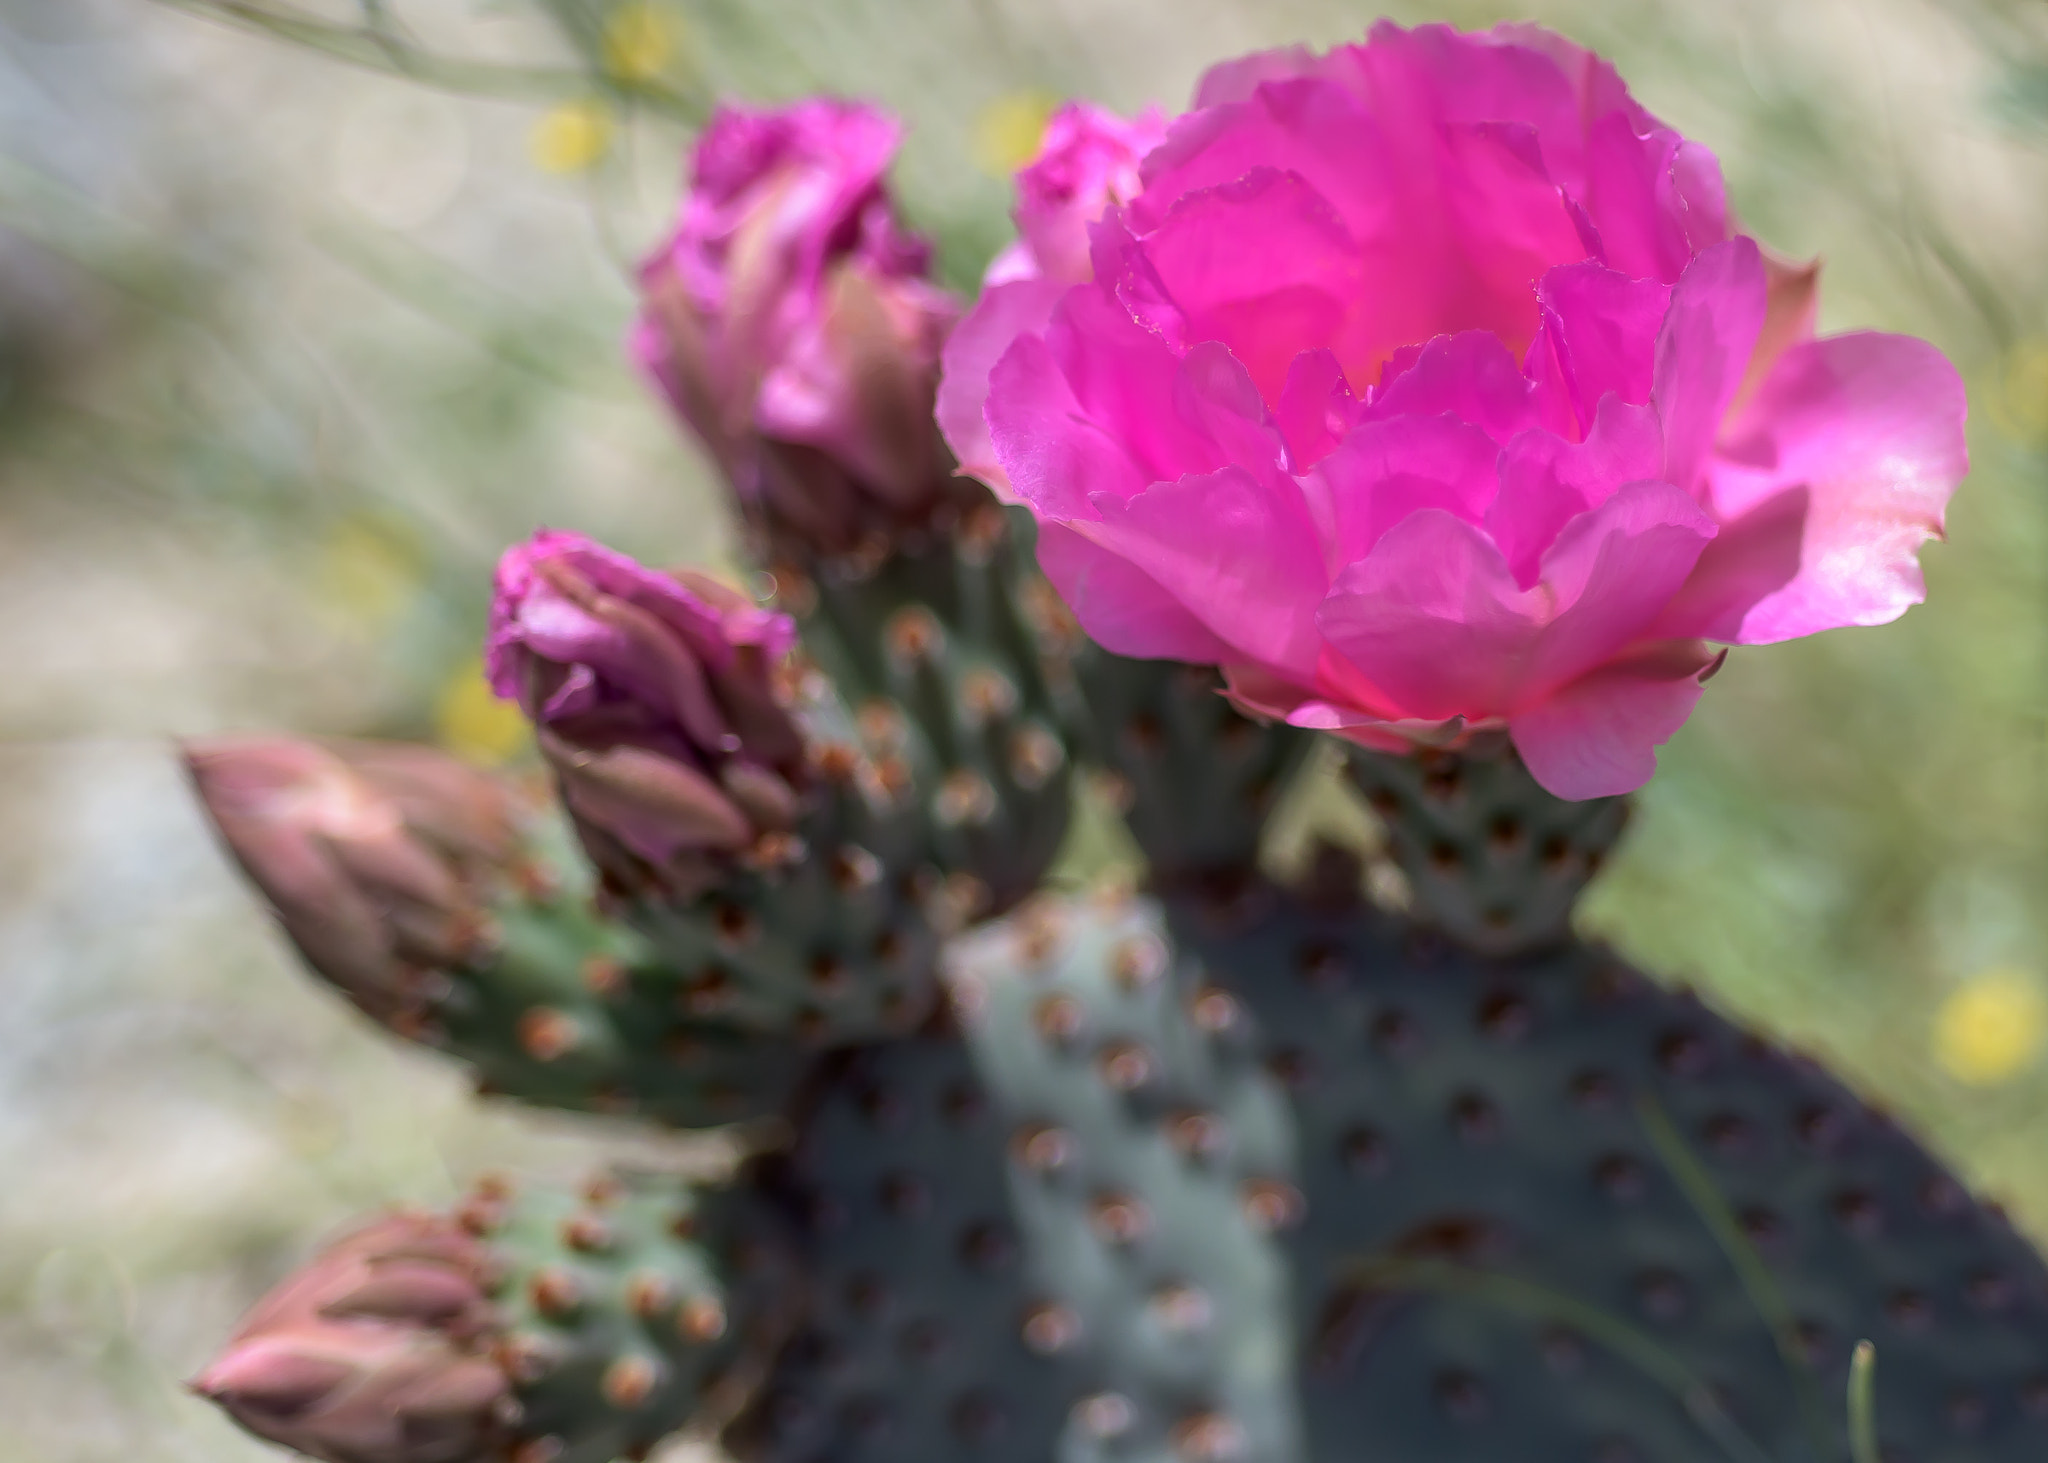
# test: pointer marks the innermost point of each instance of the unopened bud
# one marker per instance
(370, 1354)
(791, 323)
(375, 857)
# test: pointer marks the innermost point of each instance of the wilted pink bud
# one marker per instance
(374, 1353)
(372, 855)
(790, 322)
(654, 698)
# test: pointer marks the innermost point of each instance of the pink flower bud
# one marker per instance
(654, 698)
(790, 322)
(373, 1353)
(372, 855)
(1427, 388)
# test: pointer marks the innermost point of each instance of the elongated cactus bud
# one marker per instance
(577, 1327)
(405, 880)
(374, 1353)
(373, 857)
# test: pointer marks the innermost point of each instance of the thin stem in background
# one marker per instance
(377, 47)
(1757, 1281)
(1539, 1302)
(1863, 1403)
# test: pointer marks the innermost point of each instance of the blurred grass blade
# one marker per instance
(1863, 1404)
(377, 47)
(1757, 1281)
(1539, 1302)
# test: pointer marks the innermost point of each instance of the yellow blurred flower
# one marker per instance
(1007, 133)
(571, 137)
(1991, 1027)
(2019, 403)
(368, 569)
(639, 39)
(472, 722)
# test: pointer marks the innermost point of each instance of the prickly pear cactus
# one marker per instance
(1220, 1171)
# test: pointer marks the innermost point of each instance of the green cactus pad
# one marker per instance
(1492, 860)
(1151, 1160)
(564, 1009)
(1542, 1195)
(624, 1311)
(927, 642)
(915, 1345)
(1194, 778)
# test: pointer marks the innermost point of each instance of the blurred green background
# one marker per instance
(305, 312)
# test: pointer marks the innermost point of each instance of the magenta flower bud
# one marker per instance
(654, 697)
(1087, 162)
(1428, 389)
(374, 1353)
(374, 857)
(790, 322)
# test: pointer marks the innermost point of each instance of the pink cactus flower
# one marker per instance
(1426, 388)
(790, 322)
(653, 697)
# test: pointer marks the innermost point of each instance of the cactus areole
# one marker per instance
(1423, 394)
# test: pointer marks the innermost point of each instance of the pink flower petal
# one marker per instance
(1316, 409)
(1262, 264)
(1609, 574)
(1238, 552)
(1839, 469)
(1598, 736)
(1003, 313)
(1054, 458)
(1472, 376)
(1599, 335)
(1546, 481)
(1386, 470)
(1655, 199)
(1128, 381)
(1716, 311)
(1122, 609)
(1434, 616)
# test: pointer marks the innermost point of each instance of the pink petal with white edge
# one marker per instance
(1003, 313)
(1830, 481)
(1598, 736)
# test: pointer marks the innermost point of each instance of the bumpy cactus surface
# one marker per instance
(1217, 1169)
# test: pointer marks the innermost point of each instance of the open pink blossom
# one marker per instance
(1426, 387)
(790, 322)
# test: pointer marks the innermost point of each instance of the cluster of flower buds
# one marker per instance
(661, 701)
(377, 1352)
(791, 323)
(378, 859)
